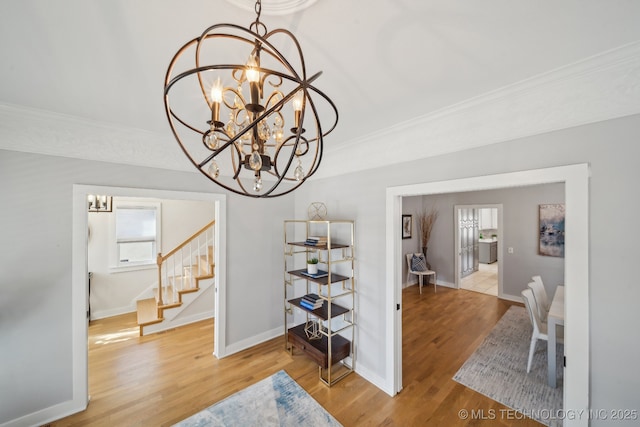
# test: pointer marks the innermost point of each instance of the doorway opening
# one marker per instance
(576, 180)
(80, 273)
(478, 245)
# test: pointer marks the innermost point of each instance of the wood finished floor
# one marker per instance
(160, 379)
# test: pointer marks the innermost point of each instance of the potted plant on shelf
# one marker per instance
(312, 266)
(426, 220)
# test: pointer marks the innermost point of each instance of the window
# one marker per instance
(137, 234)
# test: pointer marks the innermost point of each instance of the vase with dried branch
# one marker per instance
(426, 220)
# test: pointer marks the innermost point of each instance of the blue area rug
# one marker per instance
(274, 401)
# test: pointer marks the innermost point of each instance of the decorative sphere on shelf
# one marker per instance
(317, 210)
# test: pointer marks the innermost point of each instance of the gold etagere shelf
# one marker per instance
(326, 332)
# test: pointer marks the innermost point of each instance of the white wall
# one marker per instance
(36, 265)
(114, 293)
(609, 147)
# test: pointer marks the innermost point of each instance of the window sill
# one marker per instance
(134, 267)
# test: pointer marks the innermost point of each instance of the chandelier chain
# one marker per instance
(258, 10)
(257, 25)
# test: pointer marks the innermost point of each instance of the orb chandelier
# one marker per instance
(255, 113)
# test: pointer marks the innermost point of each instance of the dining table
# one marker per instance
(555, 318)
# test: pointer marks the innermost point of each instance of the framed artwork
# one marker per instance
(551, 229)
(407, 226)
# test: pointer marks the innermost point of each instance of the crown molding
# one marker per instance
(44, 132)
(602, 87)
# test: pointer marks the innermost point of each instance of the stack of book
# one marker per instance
(311, 301)
(316, 241)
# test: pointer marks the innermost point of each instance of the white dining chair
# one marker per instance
(420, 273)
(539, 328)
(540, 295)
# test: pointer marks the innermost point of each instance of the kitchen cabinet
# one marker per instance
(488, 219)
(488, 252)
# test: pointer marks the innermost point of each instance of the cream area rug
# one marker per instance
(275, 401)
(498, 369)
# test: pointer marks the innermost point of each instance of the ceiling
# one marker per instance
(78, 69)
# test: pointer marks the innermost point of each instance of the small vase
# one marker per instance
(312, 268)
(424, 251)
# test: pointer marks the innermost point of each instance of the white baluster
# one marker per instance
(191, 279)
(198, 257)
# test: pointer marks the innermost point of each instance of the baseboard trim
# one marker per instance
(374, 379)
(46, 415)
(254, 340)
(103, 314)
(508, 297)
(181, 321)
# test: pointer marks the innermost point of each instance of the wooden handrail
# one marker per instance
(162, 258)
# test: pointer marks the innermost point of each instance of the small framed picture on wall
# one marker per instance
(407, 226)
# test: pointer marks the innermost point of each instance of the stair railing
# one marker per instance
(182, 258)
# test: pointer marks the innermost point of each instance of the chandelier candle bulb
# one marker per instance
(253, 77)
(297, 110)
(216, 98)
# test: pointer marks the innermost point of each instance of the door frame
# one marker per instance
(576, 180)
(456, 244)
(79, 272)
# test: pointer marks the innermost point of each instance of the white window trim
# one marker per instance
(114, 263)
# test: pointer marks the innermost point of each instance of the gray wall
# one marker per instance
(35, 228)
(611, 148)
(35, 267)
(520, 231)
(411, 206)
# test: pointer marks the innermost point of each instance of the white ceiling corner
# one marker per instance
(603, 87)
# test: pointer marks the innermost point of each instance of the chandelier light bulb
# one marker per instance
(297, 101)
(216, 91)
(216, 98)
(253, 75)
(297, 109)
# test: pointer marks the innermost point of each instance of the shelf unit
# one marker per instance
(325, 334)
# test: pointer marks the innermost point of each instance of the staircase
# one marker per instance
(180, 273)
